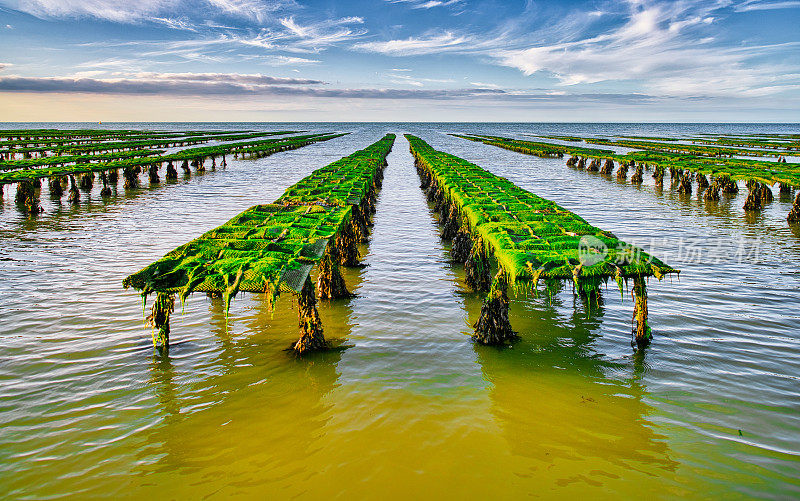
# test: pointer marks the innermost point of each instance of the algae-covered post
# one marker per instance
(794, 214)
(311, 335)
(272, 248)
(527, 239)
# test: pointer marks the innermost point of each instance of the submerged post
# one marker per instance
(87, 181)
(640, 330)
(638, 174)
(477, 267)
(159, 319)
(493, 326)
(153, 172)
(54, 185)
(311, 337)
(27, 199)
(74, 196)
(131, 180)
(462, 244)
(106, 191)
(754, 199)
(794, 214)
(330, 282)
(347, 247)
(712, 192)
(172, 173)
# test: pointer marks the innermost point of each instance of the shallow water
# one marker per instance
(407, 406)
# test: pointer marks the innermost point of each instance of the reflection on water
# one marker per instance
(407, 405)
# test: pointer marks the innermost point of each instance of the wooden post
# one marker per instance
(74, 197)
(753, 201)
(640, 330)
(153, 172)
(54, 185)
(493, 326)
(794, 215)
(347, 247)
(87, 181)
(311, 336)
(477, 267)
(330, 282)
(159, 319)
(106, 191)
(172, 173)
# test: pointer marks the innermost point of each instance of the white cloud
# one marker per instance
(658, 50)
(257, 10)
(751, 5)
(485, 85)
(136, 11)
(316, 36)
(427, 4)
(175, 24)
(659, 47)
(402, 78)
(273, 60)
(416, 46)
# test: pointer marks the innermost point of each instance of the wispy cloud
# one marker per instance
(661, 48)
(257, 10)
(752, 5)
(273, 60)
(427, 4)
(485, 85)
(401, 77)
(319, 35)
(125, 11)
(412, 46)
(175, 24)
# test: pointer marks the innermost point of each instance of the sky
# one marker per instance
(400, 60)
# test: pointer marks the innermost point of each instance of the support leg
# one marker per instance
(331, 282)
(311, 337)
(493, 326)
(74, 197)
(477, 267)
(640, 330)
(159, 319)
(794, 215)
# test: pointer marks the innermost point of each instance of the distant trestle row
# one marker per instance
(67, 173)
(686, 166)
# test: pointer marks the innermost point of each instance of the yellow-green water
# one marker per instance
(407, 406)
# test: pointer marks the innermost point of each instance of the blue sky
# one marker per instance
(419, 60)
